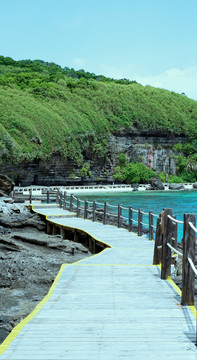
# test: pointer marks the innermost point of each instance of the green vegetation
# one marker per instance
(122, 160)
(134, 173)
(46, 109)
(85, 170)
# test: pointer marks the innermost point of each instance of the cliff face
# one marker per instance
(149, 148)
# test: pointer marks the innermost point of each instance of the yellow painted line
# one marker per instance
(16, 330)
(110, 264)
(72, 227)
(44, 205)
(76, 228)
(85, 231)
(193, 310)
(178, 290)
(89, 257)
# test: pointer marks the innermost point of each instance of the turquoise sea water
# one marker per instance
(180, 201)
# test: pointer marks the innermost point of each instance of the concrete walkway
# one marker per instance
(110, 306)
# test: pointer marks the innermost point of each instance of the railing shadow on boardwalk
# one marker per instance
(164, 226)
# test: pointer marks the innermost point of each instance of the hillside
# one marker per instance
(47, 110)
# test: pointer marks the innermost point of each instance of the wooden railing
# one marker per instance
(165, 231)
(166, 243)
(106, 213)
(165, 234)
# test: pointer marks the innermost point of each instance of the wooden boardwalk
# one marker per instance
(112, 305)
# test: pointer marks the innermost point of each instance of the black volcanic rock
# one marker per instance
(29, 261)
(176, 187)
(6, 185)
(157, 184)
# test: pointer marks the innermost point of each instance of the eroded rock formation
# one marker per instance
(150, 148)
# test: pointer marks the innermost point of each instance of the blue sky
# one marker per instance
(151, 41)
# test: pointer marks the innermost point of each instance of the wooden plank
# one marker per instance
(112, 305)
(94, 314)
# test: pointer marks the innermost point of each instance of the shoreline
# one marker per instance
(38, 190)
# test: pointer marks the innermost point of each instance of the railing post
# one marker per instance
(30, 196)
(60, 199)
(188, 276)
(158, 242)
(130, 218)
(105, 213)
(94, 211)
(71, 202)
(150, 225)
(86, 209)
(57, 197)
(48, 195)
(78, 208)
(167, 227)
(119, 215)
(140, 222)
(65, 197)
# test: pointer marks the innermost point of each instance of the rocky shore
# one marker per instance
(29, 262)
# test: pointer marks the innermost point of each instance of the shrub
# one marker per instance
(118, 175)
(83, 172)
(134, 173)
(175, 179)
(162, 176)
(122, 159)
(177, 147)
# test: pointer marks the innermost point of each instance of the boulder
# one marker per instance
(135, 187)
(195, 185)
(149, 187)
(176, 187)
(6, 185)
(157, 184)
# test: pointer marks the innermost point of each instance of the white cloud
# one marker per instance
(180, 81)
(174, 79)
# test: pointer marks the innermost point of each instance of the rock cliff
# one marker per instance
(150, 148)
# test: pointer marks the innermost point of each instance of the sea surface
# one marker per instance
(181, 202)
